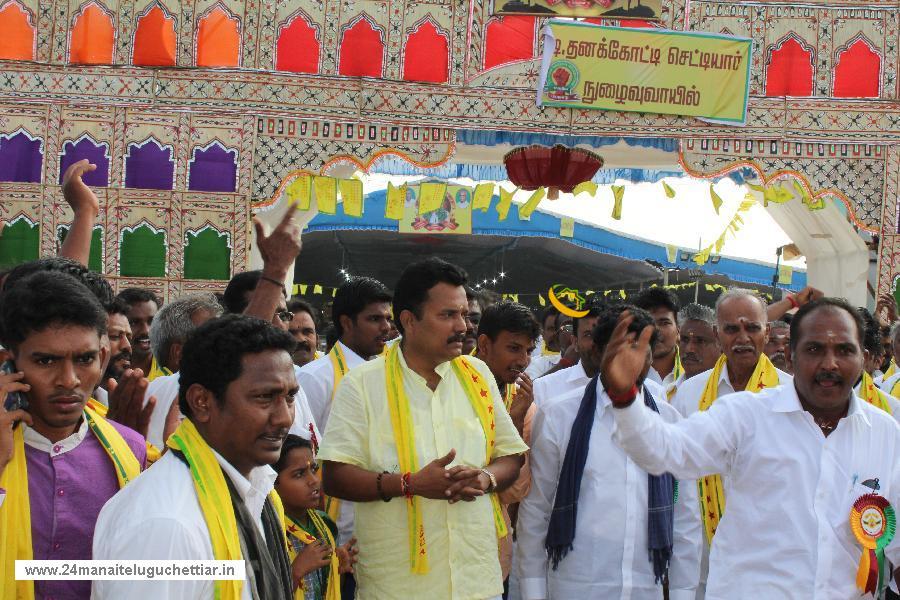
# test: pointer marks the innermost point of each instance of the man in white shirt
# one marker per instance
(796, 459)
(741, 328)
(698, 346)
(236, 392)
(361, 314)
(559, 383)
(548, 360)
(168, 332)
(664, 306)
(607, 552)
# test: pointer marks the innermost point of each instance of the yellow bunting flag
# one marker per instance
(299, 192)
(396, 198)
(618, 194)
(334, 292)
(716, 200)
(317, 289)
(670, 193)
(671, 253)
(541, 300)
(431, 196)
(326, 194)
(482, 197)
(587, 186)
(352, 195)
(303, 287)
(785, 274)
(528, 208)
(295, 290)
(514, 297)
(622, 294)
(566, 227)
(504, 204)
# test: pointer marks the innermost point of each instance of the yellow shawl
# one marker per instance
(215, 502)
(15, 512)
(333, 590)
(712, 495)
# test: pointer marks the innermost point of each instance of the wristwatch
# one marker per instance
(493, 480)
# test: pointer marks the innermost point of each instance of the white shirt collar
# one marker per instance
(577, 372)
(253, 491)
(39, 442)
(789, 401)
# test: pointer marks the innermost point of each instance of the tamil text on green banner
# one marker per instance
(645, 70)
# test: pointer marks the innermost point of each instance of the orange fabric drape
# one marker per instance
(93, 37)
(218, 40)
(154, 40)
(17, 41)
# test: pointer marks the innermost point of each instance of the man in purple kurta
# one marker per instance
(52, 324)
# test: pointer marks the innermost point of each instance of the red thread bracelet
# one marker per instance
(624, 398)
(405, 486)
(793, 301)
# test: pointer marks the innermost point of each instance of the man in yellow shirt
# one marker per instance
(411, 434)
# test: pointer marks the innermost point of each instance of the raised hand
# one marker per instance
(432, 480)
(280, 248)
(625, 356)
(887, 306)
(808, 294)
(347, 556)
(76, 193)
(126, 401)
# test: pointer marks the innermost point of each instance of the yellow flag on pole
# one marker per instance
(504, 204)
(299, 192)
(716, 199)
(618, 194)
(586, 186)
(567, 227)
(482, 197)
(528, 208)
(352, 195)
(396, 198)
(670, 193)
(326, 194)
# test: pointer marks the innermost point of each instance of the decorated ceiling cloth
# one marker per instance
(533, 253)
(478, 155)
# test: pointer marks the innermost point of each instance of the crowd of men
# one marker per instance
(436, 443)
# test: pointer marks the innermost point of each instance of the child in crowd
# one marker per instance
(316, 564)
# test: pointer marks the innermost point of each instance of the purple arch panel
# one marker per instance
(149, 167)
(20, 159)
(213, 170)
(96, 153)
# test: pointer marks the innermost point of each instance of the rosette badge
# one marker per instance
(873, 522)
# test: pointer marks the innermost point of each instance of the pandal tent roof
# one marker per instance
(531, 253)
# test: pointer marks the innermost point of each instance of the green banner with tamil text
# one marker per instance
(646, 70)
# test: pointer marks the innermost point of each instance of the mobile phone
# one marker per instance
(13, 400)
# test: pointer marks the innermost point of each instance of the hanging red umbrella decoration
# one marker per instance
(558, 168)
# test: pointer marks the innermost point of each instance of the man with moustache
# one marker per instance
(550, 362)
(742, 329)
(236, 392)
(61, 459)
(361, 314)
(807, 463)
(119, 335)
(303, 329)
(698, 347)
(410, 434)
(473, 318)
(143, 305)
(778, 346)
